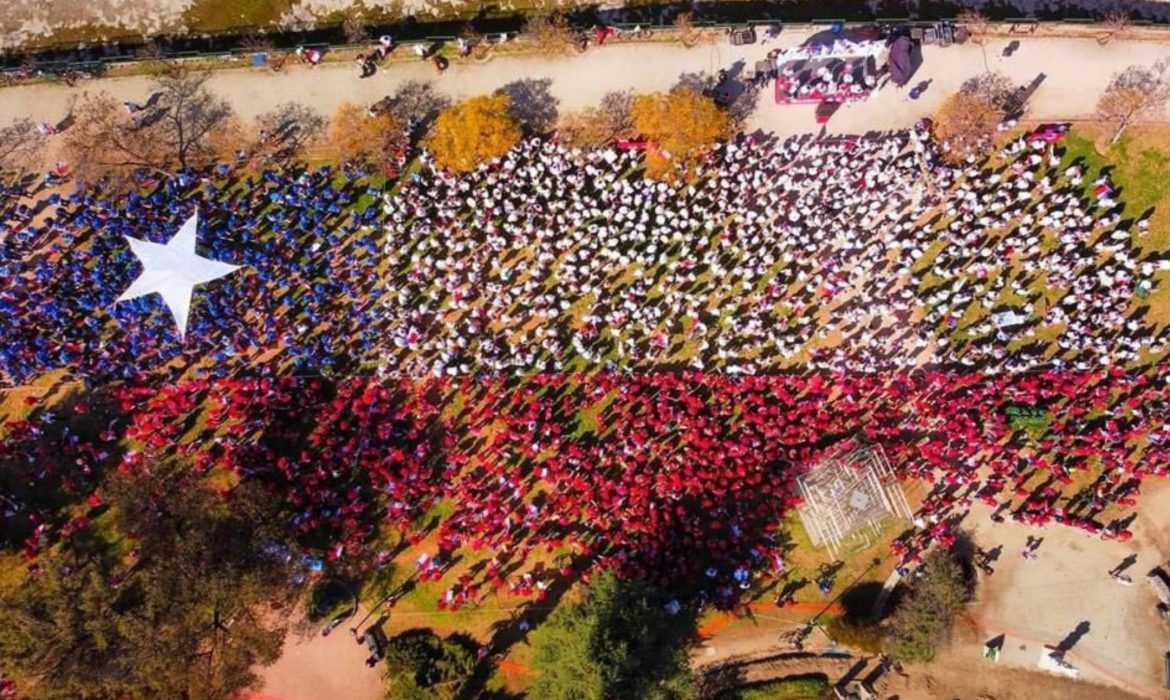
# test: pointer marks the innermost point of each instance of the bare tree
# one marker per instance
(354, 27)
(997, 89)
(287, 131)
(417, 102)
(22, 146)
(1136, 93)
(176, 129)
(684, 24)
(470, 34)
(965, 124)
(257, 42)
(978, 26)
(189, 116)
(618, 107)
(150, 51)
(551, 33)
(1116, 25)
(596, 126)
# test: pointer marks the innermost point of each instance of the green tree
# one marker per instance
(619, 641)
(923, 621)
(177, 616)
(421, 665)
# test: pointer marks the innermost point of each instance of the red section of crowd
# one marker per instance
(682, 478)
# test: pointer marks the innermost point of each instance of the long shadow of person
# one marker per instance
(1073, 637)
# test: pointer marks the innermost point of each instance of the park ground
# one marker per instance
(1032, 603)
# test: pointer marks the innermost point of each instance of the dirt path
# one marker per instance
(962, 674)
(313, 667)
(957, 673)
(1066, 594)
(1075, 73)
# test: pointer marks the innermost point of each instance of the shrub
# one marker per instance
(422, 665)
(923, 621)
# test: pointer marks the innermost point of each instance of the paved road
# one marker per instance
(1075, 73)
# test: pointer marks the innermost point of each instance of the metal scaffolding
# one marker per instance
(849, 494)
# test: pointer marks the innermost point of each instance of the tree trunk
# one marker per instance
(1120, 130)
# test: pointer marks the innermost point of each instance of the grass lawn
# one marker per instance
(804, 688)
(221, 15)
(1139, 166)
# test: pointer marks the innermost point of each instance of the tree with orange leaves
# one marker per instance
(376, 139)
(473, 132)
(682, 124)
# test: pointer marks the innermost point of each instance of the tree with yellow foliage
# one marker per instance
(473, 132)
(965, 124)
(358, 136)
(682, 124)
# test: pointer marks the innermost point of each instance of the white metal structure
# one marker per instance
(849, 494)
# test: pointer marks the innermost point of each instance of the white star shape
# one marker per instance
(172, 270)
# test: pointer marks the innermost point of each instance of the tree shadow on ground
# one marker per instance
(533, 106)
(53, 459)
(720, 680)
(416, 101)
(857, 601)
(695, 81)
(515, 629)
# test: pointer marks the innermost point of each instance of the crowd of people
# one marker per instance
(302, 235)
(855, 254)
(834, 80)
(684, 478)
(641, 368)
(861, 253)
